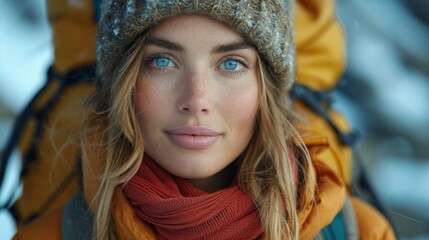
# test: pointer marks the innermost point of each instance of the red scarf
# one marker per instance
(178, 210)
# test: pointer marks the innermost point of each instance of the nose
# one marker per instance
(195, 93)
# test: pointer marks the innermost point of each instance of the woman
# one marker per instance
(193, 135)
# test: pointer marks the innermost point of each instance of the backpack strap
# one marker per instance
(343, 227)
(319, 102)
(77, 219)
(38, 110)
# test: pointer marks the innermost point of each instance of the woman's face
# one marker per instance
(197, 97)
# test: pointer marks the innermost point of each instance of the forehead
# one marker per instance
(185, 28)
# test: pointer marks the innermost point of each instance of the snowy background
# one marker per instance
(384, 94)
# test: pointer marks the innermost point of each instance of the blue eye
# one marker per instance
(231, 65)
(162, 62)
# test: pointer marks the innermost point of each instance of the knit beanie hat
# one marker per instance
(267, 24)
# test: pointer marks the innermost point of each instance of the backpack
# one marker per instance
(43, 131)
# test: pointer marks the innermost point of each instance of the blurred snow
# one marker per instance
(26, 52)
(382, 35)
(406, 91)
(7, 225)
(385, 94)
(25, 46)
(10, 188)
(399, 186)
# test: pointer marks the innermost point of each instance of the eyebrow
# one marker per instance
(165, 44)
(222, 48)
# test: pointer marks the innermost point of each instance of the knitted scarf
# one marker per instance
(178, 210)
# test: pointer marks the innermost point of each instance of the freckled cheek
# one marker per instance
(149, 95)
(242, 108)
(147, 104)
(141, 100)
(150, 118)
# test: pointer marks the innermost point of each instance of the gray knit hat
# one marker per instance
(267, 24)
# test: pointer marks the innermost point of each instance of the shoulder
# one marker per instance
(372, 225)
(47, 227)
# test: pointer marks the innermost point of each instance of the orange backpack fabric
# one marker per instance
(51, 175)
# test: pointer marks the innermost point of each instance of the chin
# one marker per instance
(193, 173)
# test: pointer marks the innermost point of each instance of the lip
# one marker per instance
(193, 137)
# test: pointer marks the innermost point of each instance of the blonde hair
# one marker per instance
(121, 145)
(265, 172)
